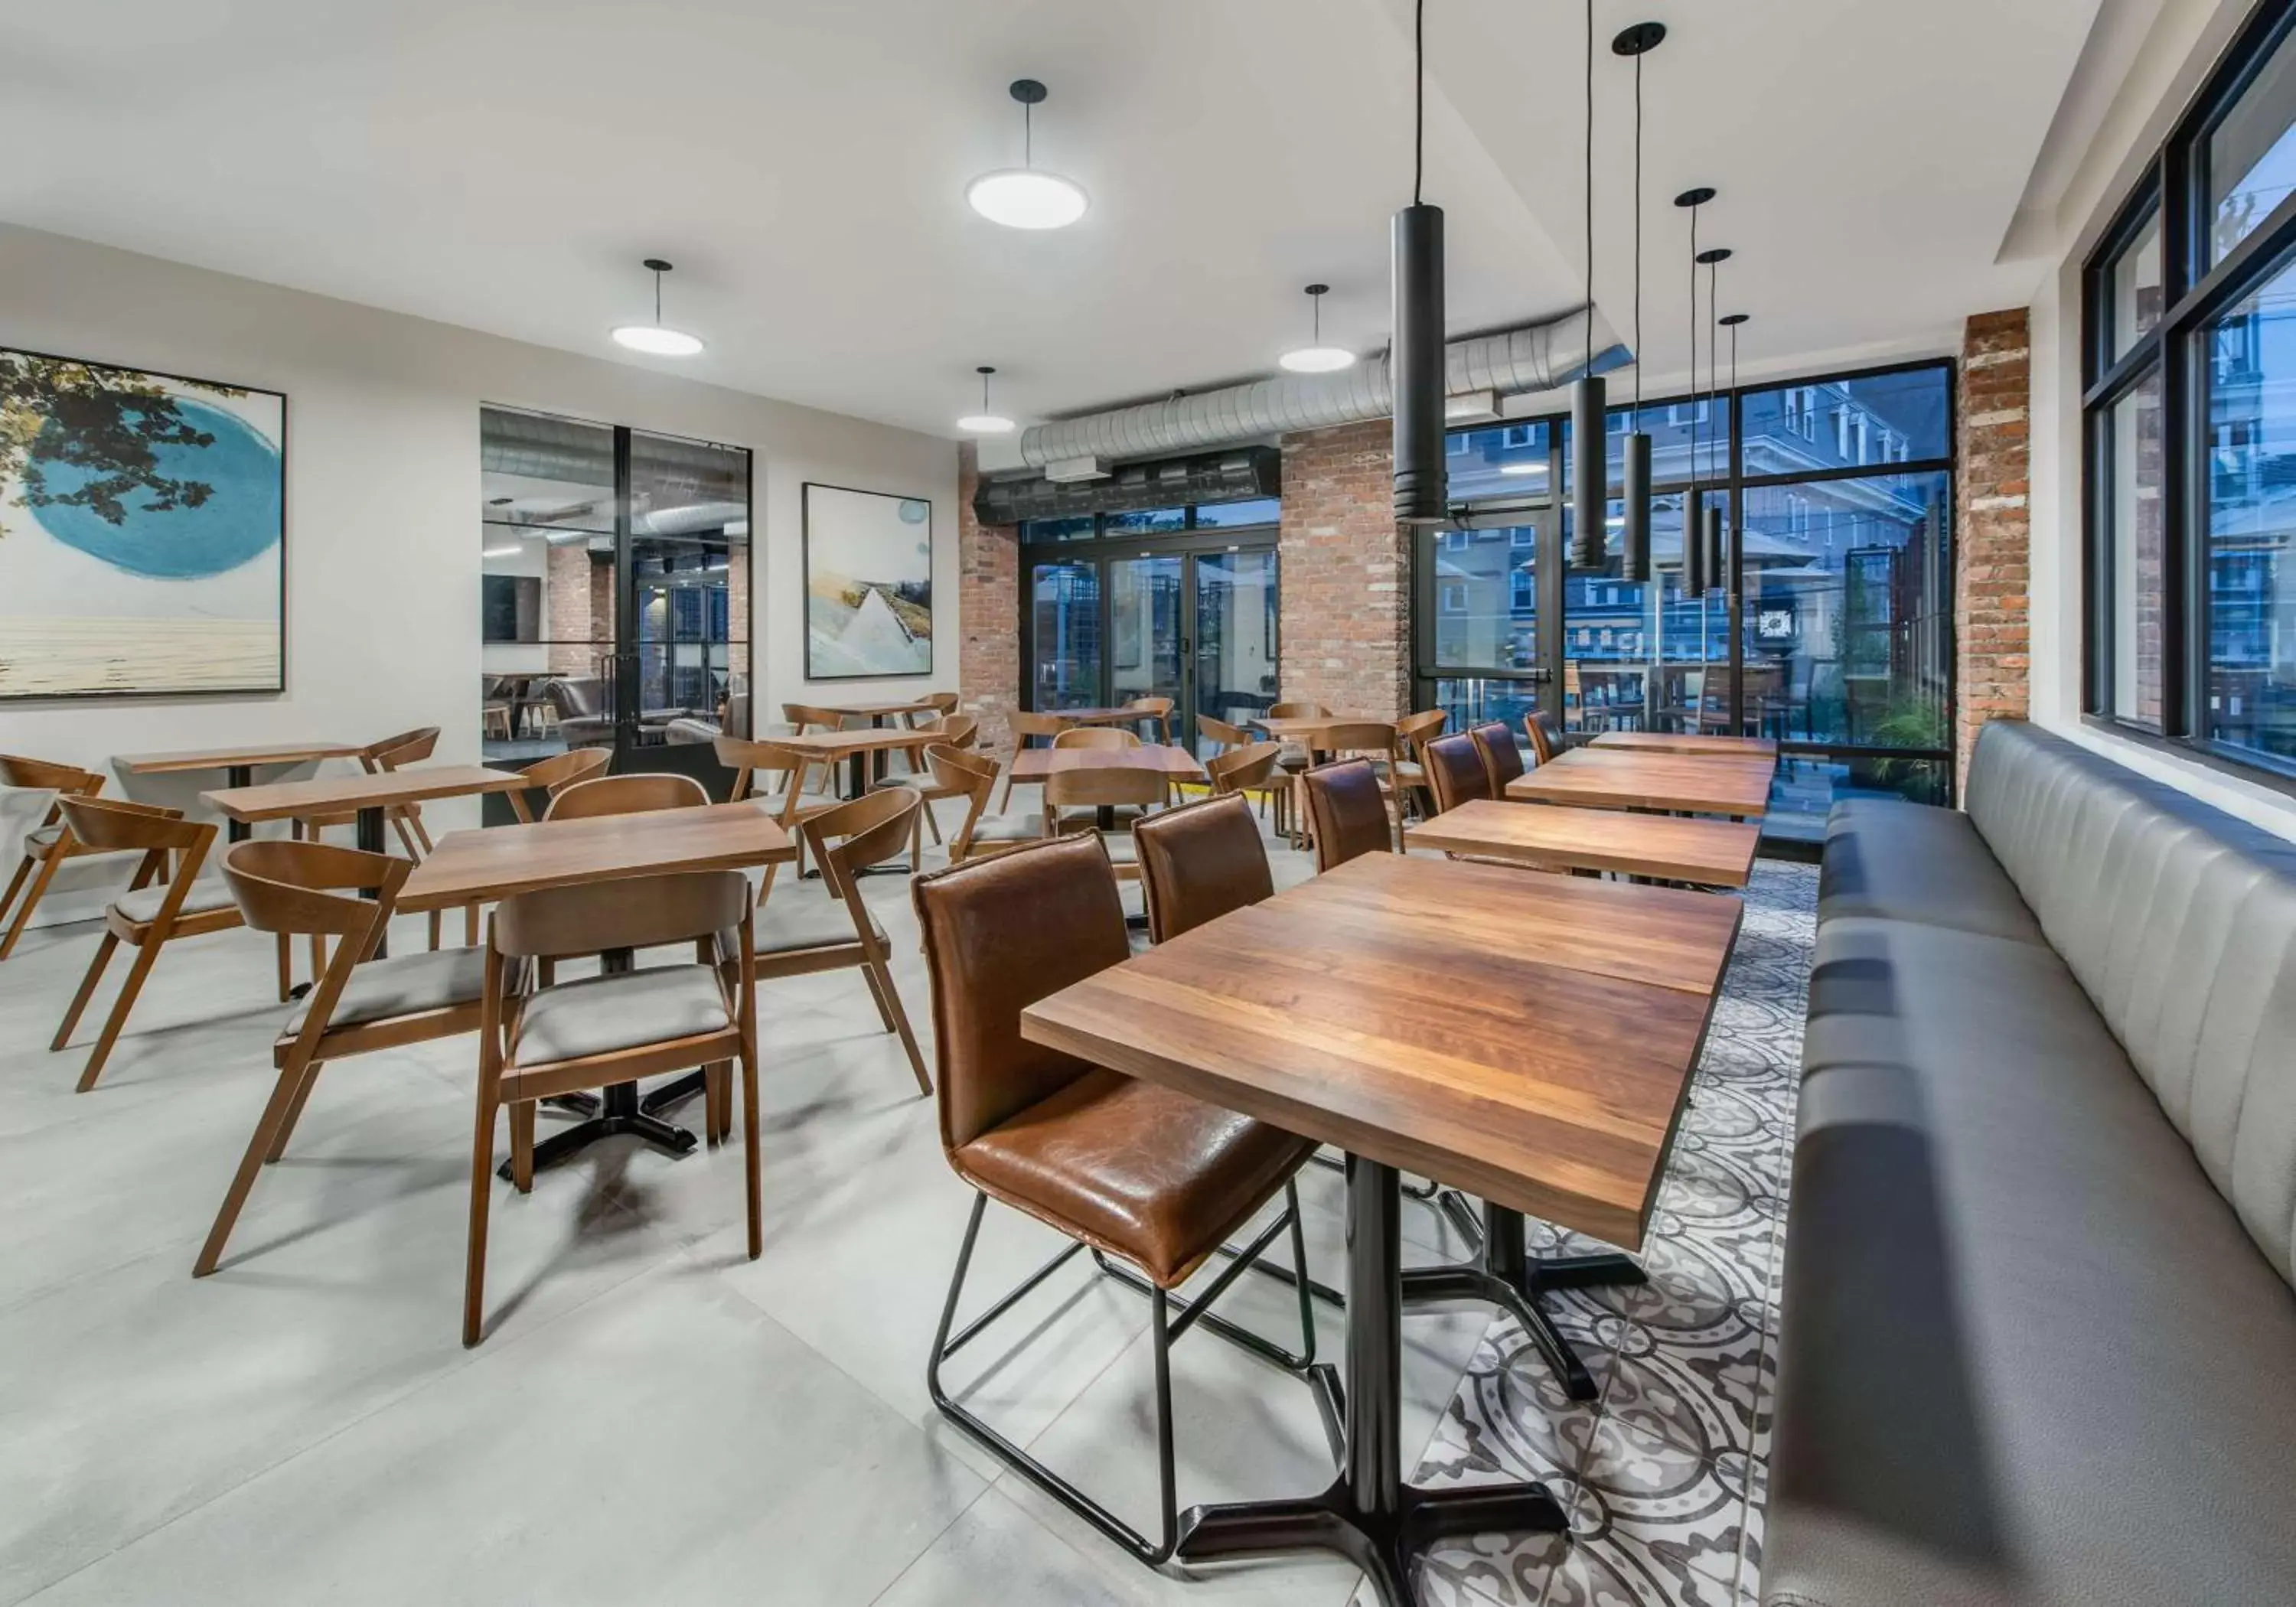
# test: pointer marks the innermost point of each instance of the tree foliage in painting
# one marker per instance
(109, 423)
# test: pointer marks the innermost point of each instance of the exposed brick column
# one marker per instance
(987, 611)
(567, 588)
(1345, 563)
(1993, 573)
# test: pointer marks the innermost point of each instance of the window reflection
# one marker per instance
(2251, 532)
(2252, 155)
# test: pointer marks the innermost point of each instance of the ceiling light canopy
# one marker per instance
(986, 422)
(1315, 358)
(657, 339)
(1027, 197)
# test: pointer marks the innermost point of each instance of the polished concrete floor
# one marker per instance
(653, 1416)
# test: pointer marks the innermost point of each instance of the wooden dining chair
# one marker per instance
(358, 1006)
(1157, 712)
(1543, 743)
(46, 846)
(1457, 771)
(539, 1040)
(551, 776)
(151, 913)
(1225, 738)
(1501, 757)
(1412, 734)
(1030, 728)
(809, 718)
(1198, 862)
(1298, 710)
(378, 758)
(785, 793)
(1152, 1181)
(640, 793)
(1249, 772)
(1346, 811)
(955, 730)
(799, 939)
(1097, 736)
(1075, 798)
(973, 777)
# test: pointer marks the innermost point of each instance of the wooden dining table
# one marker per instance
(1681, 783)
(1557, 837)
(1031, 764)
(1688, 743)
(500, 862)
(856, 747)
(1527, 1039)
(238, 765)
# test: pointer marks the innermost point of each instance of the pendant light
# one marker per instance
(1731, 321)
(1635, 537)
(1693, 501)
(1027, 197)
(1416, 360)
(1590, 469)
(1315, 358)
(1717, 577)
(987, 420)
(656, 338)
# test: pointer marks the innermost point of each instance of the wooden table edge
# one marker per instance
(190, 759)
(509, 781)
(1430, 834)
(414, 899)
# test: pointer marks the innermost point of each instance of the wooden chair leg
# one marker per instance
(286, 967)
(318, 957)
(933, 824)
(146, 953)
(521, 1145)
(434, 931)
(752, 1159)
(889, 1000)
(482, 1169)
(877, 994)
(32, 895)
(286, 1096)
(713, 1100)
(295, 1111)
(86, 989)
(470, 926)
(23, 869)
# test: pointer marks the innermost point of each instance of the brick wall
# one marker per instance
(987, 611)
(1994, 526)
(578, 613)
(1345, 571)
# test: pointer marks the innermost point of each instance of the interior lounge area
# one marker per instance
(1390, 803)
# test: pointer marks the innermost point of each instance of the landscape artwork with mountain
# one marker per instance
(868, 584)
(142, 531)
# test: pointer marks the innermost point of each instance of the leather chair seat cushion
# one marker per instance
(1136, 1169)
(143, 904)
(1008, 828)
(1914, 862)
(2008, 1281)
(405, 985)
(799, 924)
(598, 1015)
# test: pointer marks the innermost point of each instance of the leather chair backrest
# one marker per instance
(1455, 771)
(1543, 743)
(1001, 933)
(1348, 812)
(1500, 753)
(2179, 921)
(1198, 862)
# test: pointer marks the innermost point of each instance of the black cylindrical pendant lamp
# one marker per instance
(1693, 544)
(1635, 537)
(1416, 367)
(1718, 575)
(1590, 469)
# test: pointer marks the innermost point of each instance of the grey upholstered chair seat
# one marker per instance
(405, 985)
(795, 926)
(143, 904)
(597, 1015)
(2042, 1203)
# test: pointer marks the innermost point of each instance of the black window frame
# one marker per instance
(2194, 292)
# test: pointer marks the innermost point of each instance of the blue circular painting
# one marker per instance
(238, 519)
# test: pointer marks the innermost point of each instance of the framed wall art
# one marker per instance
(868, 584)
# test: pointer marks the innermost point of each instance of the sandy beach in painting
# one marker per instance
(57, 658)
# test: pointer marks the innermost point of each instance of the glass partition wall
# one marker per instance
(614, 593)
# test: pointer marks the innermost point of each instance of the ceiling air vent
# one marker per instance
(1231, 476)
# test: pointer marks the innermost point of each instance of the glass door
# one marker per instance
(1485, 638)
(1064, 626)
(1147, 648)
(1233, 669)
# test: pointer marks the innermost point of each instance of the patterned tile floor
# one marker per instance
(1664, 1474)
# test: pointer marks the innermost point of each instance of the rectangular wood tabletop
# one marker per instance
(1666, 848)
(344, 795)
(495, 861)
(878, 710)
(1528, 1039)
(845, 744)
(1035, 764)
(225, 759)
(1675, 742)
(1100, 717)
(1600, 778)
(1305, 728)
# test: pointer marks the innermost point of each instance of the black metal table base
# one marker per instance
(1370, 1515)
(620, 1114)
(676, 1091)
(1507, 1276)
(238, 775)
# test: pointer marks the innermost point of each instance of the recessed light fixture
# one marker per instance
(1315, 358)
(1027, 197)
(656, 338)
(985, 422)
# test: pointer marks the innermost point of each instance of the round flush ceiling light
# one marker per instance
(1027, 197)
(985, 422)
(657, 339)
(1317, 357)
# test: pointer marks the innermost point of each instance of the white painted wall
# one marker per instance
(383, 498)
(2183, 43)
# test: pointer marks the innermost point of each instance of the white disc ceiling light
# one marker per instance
(657, 339)
(1315, 358)
(1028, 197)
(986, 422)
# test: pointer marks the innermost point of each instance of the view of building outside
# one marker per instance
(2252, 523)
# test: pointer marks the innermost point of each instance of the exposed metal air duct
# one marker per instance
(1537, 357)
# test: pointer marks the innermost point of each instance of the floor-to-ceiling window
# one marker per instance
(1177, 602)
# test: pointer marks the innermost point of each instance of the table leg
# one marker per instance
(370, 841)
(622, 1112)
(238, 775)
(1370, 1515)
(1507, 1275)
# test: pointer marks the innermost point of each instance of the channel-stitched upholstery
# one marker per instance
(2048, 1122)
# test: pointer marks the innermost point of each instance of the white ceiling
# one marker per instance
(504, 164)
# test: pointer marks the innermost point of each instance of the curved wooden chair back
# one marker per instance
(957, 730)
(1347, 812)
(944, 703)
(637, 794)
(1297, 711)
(1229, 737)
(298, 888)
(1245, 770)
(808, 718)
(1455, 771)
(1371, 738)
(862, 832)
(1028, 723)
(1097, 736)
(628, 912)
(1501, 757)
(964, 774)
(113, 825)
(557, 773)
(45, 775)
(1094, 789)
(1159, 710)
(407, 748)
(1413, 731)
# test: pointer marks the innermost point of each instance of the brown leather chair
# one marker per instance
(1347, 812)
(1501, 757)
(1198, 862)
(48, 844)
(1543, 743)
(1151, 1180)
(1457, 772)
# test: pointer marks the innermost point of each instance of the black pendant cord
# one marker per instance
(1028, 135)
(1418, 98)
(1692, 502)
(1590, 186)
(1638, 242)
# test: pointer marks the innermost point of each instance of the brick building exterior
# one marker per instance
(1994, 526)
